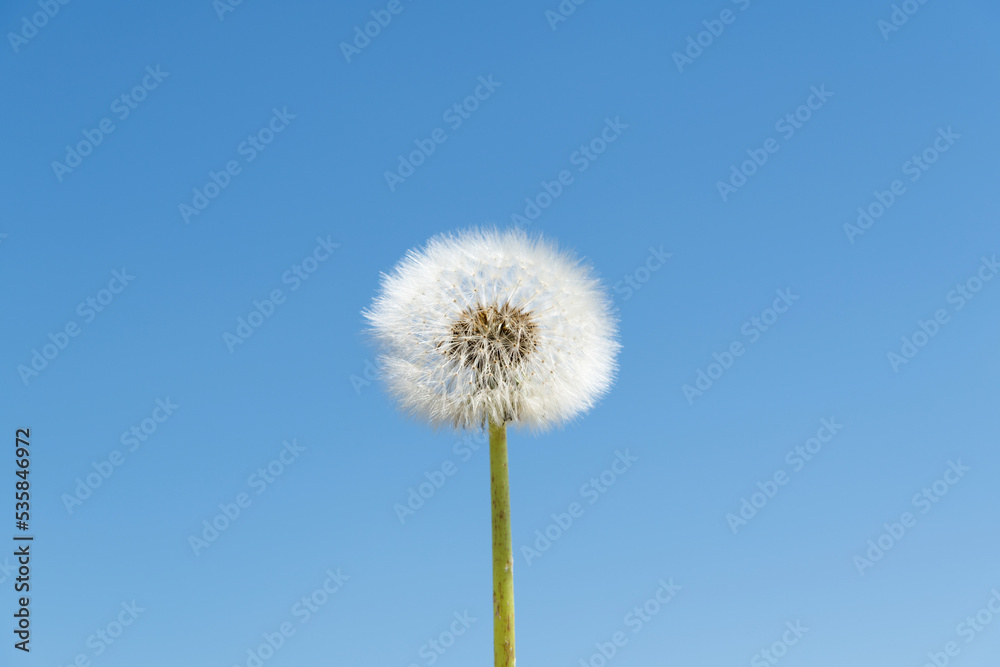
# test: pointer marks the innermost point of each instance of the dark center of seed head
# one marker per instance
(492, 339)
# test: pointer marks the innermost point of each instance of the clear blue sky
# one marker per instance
(238, 164)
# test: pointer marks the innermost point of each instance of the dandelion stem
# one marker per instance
(503, 553)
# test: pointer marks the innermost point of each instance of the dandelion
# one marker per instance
(482, 329)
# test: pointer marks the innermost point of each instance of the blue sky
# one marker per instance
(172, 171)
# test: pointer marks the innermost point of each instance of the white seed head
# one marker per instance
(488, 325)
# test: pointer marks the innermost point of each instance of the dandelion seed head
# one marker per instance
(494, 325)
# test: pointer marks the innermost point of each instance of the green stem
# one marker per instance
(503, 552)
